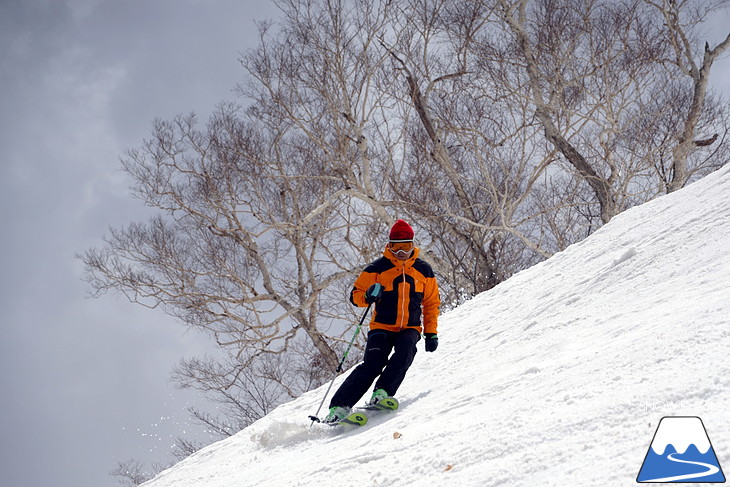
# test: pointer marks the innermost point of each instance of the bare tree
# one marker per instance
(247, 389)
(681, 20)
(462, 178)
(359, 112)
(599, 72)
(549, 59)
(185, 447)
(241, 254)
(131, 473)
(506, 130)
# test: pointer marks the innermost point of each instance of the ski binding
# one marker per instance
(386, 404)
(354, 419)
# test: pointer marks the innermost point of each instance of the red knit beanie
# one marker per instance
(401, 231)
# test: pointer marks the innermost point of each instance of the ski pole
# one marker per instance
(315, 418)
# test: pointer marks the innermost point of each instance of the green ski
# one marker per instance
(386, 404)
(355, 419)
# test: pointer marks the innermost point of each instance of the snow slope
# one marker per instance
(557, 377)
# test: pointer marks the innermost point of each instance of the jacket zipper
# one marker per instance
(403, 299)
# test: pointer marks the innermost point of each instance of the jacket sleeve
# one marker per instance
(363, 282)
(431, 305)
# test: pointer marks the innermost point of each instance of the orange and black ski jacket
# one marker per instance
(410, 293)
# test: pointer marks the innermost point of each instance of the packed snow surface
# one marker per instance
(557, 377)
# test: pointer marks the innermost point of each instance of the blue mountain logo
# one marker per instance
(681, 452)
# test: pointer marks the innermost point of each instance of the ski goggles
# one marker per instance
(401, 248)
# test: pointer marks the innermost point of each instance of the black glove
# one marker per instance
(432, 342)
(374, 292)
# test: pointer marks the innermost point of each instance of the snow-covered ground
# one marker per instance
(557, 377)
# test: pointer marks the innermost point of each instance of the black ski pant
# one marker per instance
(390, 372)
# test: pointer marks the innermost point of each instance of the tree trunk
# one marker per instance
(685, 145)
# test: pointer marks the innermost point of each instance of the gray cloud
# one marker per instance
(84, 381)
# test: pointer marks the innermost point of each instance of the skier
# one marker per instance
(403, 289)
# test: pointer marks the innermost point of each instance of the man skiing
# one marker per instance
(404, 291)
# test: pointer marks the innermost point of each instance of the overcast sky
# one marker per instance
(84, 382)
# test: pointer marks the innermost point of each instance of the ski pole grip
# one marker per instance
(374, 293)
(377, 289)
